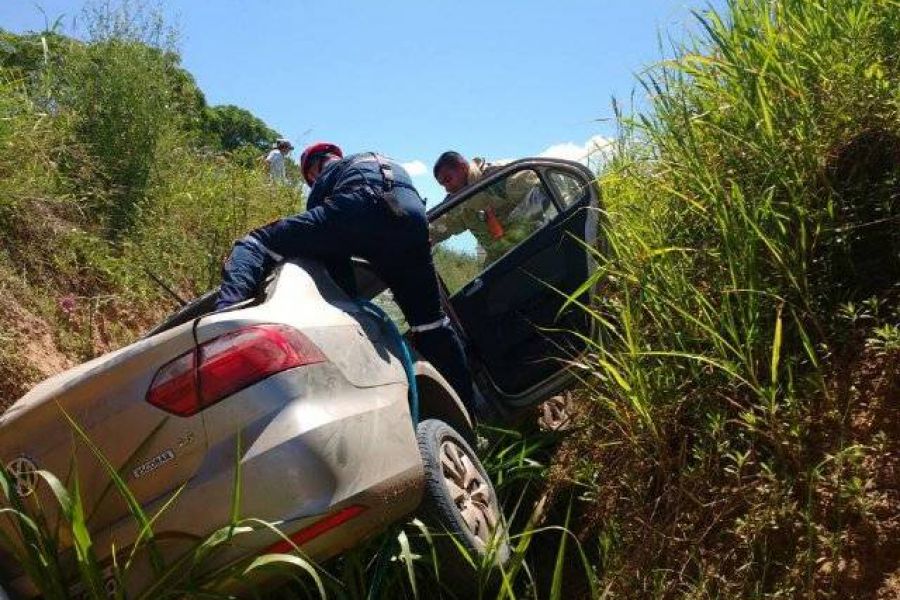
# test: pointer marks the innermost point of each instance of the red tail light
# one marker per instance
(174, 387)
(228, 364)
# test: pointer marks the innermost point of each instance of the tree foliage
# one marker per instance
(233, 127)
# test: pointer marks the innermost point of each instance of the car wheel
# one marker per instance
(459, 499)
(557, 413)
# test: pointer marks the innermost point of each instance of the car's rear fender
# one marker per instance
(437, 400)
(310, 444)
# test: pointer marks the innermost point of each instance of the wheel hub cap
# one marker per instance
(469, 492)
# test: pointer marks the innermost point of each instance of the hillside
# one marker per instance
(114, 172)
(742, 433)
(739, 424)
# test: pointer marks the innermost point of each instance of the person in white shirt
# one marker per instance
(275, 160)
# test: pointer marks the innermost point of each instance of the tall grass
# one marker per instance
(754, 199)
(118, 89)
(108, 185)
(55, 548)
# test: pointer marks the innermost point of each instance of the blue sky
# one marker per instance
(496, 79)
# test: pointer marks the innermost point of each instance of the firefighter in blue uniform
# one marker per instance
(363, 205)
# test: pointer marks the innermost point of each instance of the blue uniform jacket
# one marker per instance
(344, 203)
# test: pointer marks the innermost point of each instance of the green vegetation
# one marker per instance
(739, 405)
(740, 431)
(113, 170)
(456, 267)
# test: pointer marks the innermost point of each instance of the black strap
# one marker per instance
(387, 175)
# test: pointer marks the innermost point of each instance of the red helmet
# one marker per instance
(315, 152)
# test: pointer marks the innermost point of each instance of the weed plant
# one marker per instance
(755, 198)
(108, 183)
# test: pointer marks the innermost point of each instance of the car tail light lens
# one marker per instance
(174, 387)
(228, 364)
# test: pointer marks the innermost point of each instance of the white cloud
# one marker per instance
(415, 168)
(593, 151)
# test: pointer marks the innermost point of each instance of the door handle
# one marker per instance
(473, 287)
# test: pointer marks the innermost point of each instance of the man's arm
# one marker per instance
(447, 225)
(517, 188)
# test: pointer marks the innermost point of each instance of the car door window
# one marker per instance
(569, 188)
(486, 226)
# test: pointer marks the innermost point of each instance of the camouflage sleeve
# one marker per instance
(447, 225)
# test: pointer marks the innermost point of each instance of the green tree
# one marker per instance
(188, 103)
(120, 94)
(234, 127)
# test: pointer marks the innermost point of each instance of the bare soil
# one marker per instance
(868, 566)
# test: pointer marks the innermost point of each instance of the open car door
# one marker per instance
(510, 249)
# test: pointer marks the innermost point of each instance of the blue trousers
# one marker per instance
(358, 223)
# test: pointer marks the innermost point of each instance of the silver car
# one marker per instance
(307, 392)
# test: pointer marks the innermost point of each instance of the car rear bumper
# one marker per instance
(303, 444)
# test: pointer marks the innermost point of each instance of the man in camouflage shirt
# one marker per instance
(491, 215)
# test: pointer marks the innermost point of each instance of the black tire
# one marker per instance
(470, 512)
